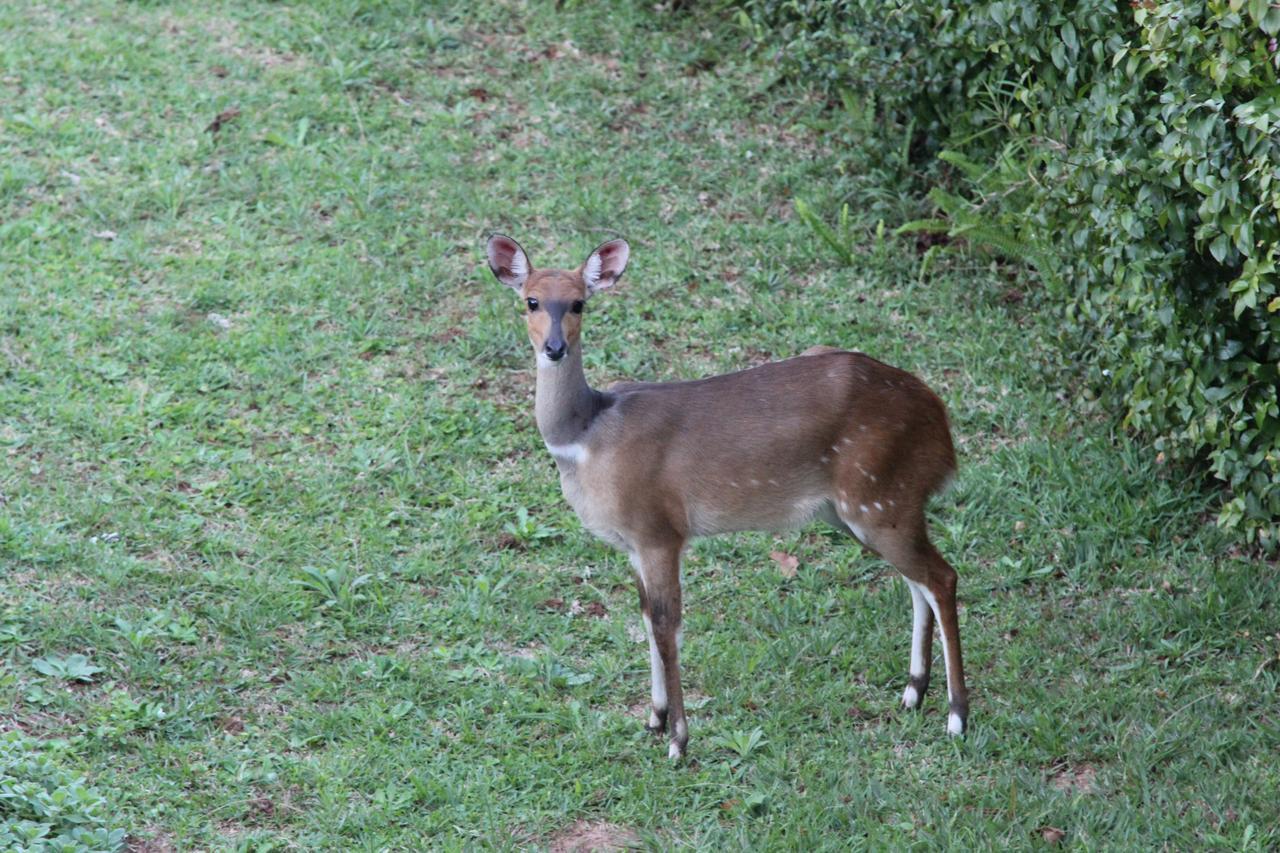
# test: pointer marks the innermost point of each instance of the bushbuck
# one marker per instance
(830, 435)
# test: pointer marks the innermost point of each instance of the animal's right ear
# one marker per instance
(508, 261)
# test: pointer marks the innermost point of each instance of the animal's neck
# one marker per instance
(564, 402)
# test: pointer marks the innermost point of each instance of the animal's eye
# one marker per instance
(576, 307)
(532, 303)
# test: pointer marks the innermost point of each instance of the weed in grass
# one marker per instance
(75, 667)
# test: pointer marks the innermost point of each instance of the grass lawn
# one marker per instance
(268, 461)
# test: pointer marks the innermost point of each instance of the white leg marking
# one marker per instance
(954, 725)
(638, 569)
(679, 732)
(946, 651)
(657, 684)
(919, 624)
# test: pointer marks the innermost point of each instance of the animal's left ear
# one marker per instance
(605, 265)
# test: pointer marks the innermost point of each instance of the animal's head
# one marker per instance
(554, 299)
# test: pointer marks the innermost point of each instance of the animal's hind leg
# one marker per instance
(921, 647)
(932, 581)
(922, 614)
(935, 579)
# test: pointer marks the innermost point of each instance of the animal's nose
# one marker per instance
(555, 352)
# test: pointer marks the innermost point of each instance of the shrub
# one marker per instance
(44, 807)
(1133, 151)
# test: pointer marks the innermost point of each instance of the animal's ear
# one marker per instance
(508, 261)
(605, 265)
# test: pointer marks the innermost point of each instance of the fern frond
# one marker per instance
(930, 226)
(823, 230)
(971, 170)
(950, 204)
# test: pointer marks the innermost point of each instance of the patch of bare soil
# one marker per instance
(157, 841)
(587, 835)
(1078, 779)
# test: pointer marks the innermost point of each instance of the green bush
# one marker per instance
(1131, 153)
(44, 807)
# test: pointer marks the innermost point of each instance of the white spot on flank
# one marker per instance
(891, 503)
(773, 482)
(844, 506)
(755, 482)
(864, 509)
(825, 459)
(835, 449)
(878, 505)
(575, 453)
(872, 477)
(910, 698)
(846, 441)
(955, 726)
(862, 427)
(733, 484)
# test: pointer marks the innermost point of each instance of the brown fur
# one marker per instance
(834, 435)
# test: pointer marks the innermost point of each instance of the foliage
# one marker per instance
(1130, 154)
(44, 807)
(74, 667)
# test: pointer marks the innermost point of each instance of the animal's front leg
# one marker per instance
(657, 722)
(659, 571)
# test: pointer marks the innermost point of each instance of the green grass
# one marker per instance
(265, 418)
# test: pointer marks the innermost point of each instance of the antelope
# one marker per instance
(830, 434)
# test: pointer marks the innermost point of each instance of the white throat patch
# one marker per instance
(575, 453)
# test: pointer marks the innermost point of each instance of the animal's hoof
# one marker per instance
(675, 751)
(955, 724)
(657, 721)
(915, 690)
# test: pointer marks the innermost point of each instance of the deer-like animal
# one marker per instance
(829, 435)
